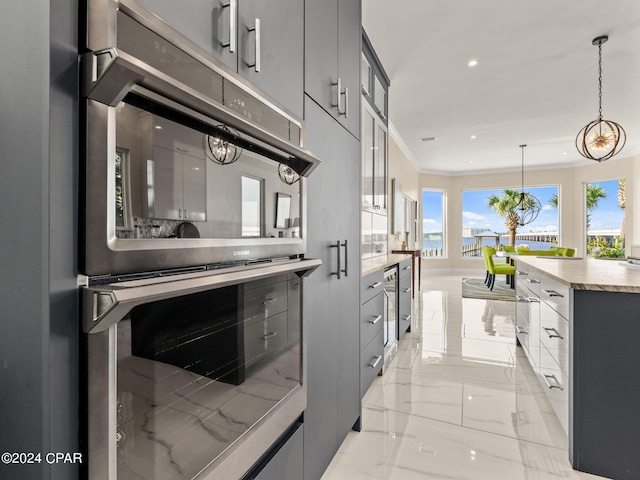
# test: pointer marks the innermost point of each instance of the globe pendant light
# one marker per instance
(528, 208)
(600, 139)
(287, 174)
(220, 148)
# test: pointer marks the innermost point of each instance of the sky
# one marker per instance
(477, 214)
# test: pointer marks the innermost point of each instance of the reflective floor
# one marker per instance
(458, 402)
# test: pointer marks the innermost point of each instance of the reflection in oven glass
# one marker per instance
(196, 372)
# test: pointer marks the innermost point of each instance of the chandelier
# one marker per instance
(220, 149)
(528, 207)
(600, 139)
(287, 174)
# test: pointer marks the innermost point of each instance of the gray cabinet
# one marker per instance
(332, 58)
(228, 31)
(404, 296)
(331, 309)
(286, 464)
(372, 313)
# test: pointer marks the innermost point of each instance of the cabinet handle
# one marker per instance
(533, 300)
(376, 361)
(337, 245)
(233, 9)
(256, 29)
(556, 334)
(338, 103)
(346, 103)
(407, 318)
(521, 330)
(521, 298)
(375, 285)
(269, 300)
(268, 336)
(375, 320)
(532, 280)
(186, 213)
(407, 290)
(345, 270)
(553, 293)
(179, 213)
(520, 272)
(408, 267)
(555, 380)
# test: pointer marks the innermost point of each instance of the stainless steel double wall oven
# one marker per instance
(192, 256)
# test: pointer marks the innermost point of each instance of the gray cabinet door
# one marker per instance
(204, 22)
(287, 463)
(332, 53)
(281, 49)
(331, 306)
(349, 41)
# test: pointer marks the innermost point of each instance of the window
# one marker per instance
(605, 204)
(433, 236)
(484, 225)
(251, 207)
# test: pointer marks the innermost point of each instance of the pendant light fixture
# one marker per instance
(287, 174)
(528, 208)
(600, 139)
(220, 149)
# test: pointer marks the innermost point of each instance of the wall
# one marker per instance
(571, 214)
(38, 193)
(401, 168)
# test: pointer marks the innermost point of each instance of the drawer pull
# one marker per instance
(553, 293)
(407, 318)
(532, 280)
(556, 383)
(375, 320)
(269, 300)
(268, 336)
(408, 267)
(375, 285)
(556, 334)
(520, 272)
(533, 300)
(521, 330)
(407, 290)
(521, 298)
(376, 361)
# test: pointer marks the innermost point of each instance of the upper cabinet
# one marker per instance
(332, 58)
(262, 41)
(374, 80)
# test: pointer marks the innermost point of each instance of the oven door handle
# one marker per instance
(105, 305)
(108, 75)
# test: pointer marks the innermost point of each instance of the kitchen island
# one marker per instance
(578, 321)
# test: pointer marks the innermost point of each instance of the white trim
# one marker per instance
(393, 132)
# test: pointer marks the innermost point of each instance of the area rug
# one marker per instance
(475, 288)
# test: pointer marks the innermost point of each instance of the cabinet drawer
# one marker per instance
(371, 362)
(404, 267)
(371, 319)
(264, 301)
(371, 285)
(264, 337)
(522, 273)
(404, 317)
(554, 334)
(404, 290)
(555, 294)
(556, 385)
(533, 282)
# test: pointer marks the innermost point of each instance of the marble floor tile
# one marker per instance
(459, 401)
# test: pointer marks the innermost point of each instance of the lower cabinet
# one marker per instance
(404, 296)
(331, 309)
(372, 317)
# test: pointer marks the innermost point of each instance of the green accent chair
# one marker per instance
(537, 253)
(509, 248)
(497, 269)
(566, 252)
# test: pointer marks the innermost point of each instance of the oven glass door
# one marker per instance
(196, 372)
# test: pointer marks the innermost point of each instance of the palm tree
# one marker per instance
(595, 193)
(505, 206)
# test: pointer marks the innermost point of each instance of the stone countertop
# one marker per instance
(381, 262)
(587, 273)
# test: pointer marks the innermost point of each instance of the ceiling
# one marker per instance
(536, 81)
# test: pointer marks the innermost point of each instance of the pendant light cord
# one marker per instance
(600, 80)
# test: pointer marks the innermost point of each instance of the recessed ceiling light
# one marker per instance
(428, 139)
(159, 127)
(473, 62)
(470, 161)
(564, 153)
(473, 137)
